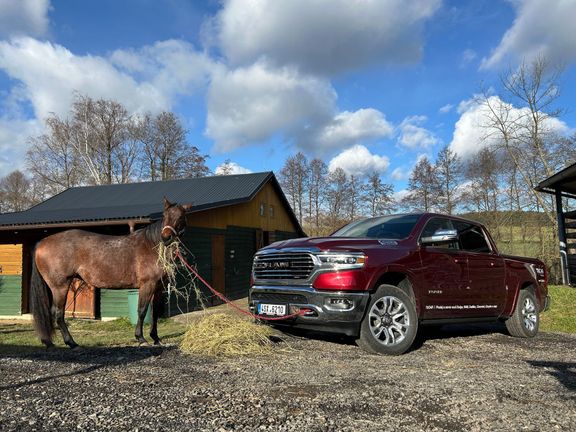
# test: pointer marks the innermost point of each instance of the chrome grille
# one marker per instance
(286, 265)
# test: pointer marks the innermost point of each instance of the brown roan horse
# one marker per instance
(103, 261)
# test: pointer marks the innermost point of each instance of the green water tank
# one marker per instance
(133, 308)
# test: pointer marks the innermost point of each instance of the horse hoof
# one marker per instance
(158, 342)
(142, 342)
(75, 347)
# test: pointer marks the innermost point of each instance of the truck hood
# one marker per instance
(334, 243)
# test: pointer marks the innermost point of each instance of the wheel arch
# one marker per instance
(399, 279)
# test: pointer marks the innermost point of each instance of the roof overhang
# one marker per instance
(563, 182)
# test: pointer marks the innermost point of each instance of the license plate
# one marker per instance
(271, 309)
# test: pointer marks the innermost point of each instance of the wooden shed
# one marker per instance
(232, 217)
(563, 186)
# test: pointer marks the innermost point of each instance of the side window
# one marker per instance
(471, 237)
(437, 224)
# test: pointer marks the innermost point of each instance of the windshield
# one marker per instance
(384, 227)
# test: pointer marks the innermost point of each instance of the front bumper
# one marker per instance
(330, 311)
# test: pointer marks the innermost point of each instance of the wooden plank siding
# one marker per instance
(274, 218)
(11, 279)
(11, 259)
(10, 295)
(240, 249)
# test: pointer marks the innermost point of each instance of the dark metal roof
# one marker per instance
(142, 201)
(563, 181)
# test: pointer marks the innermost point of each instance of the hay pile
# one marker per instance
(226, 335)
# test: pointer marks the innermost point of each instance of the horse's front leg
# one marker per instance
(156, 311)
(144, 296)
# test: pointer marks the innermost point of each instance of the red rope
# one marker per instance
(227, 301)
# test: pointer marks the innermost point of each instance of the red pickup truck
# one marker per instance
(379, 279)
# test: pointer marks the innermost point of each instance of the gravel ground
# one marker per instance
(464, 378)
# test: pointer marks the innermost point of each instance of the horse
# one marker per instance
(102, 261)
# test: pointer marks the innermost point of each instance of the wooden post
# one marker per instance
(562, 240)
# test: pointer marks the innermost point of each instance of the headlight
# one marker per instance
(341, 261)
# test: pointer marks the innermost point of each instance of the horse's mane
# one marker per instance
(152, 232)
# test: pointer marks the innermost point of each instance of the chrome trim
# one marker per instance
(319, 302)
(319, 267)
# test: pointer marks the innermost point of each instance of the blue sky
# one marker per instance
(364, 84)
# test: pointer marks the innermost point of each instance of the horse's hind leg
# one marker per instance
(59, 311)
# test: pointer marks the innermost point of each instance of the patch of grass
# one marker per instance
(17, 337)
(222, 334)
(561, 317)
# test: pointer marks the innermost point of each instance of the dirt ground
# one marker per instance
(460, 378)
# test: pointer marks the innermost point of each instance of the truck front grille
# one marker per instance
(288, 265)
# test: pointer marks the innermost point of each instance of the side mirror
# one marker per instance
(440, 236)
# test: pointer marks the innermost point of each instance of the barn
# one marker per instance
(563, 186)
(232, 217)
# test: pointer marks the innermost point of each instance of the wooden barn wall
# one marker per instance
(240, 249)
(11, 279)
(198, 241)
(248, 214)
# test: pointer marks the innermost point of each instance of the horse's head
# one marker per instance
(173, 220)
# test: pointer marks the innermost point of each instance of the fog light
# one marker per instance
(340, 303)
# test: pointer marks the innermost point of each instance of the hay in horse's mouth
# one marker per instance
(221, 334)
(168, 262)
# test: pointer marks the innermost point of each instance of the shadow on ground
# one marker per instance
(564, 372)
(91, 359)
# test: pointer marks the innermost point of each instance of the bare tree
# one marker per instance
(16, 192)
(422, 187)
(52, 158)
(337, 198)
(378, 195)
(294, 178)
(316, 188)
(354, 197)
(520, 121)
(166, 153)
(449, 171)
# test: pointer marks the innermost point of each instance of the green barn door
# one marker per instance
(240, 249)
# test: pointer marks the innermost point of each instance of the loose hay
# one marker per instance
(221, 334)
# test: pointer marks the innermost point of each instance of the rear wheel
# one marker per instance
(390, 324)
(525, 320)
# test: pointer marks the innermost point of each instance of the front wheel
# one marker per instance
(390, 324)
(525, 320)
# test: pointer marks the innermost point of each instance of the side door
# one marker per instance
(485, 295)
(444, 274)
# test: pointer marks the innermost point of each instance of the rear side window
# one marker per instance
(471, 237)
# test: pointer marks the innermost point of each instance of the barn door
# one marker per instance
(81, 301)
(218, 264)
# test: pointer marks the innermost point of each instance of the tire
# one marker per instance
(525, 319)
(390, 323)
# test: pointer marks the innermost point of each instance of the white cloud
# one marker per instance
(358, 161)
(400, 173)
(413, 136)
(149, 79)
(13, 142)
(541, 27)
(250, 105)
(468, 56)
(446, 108)
(228, 168)
(470, 131)
(323, 36)
(398, 196)
(347, 128)
(24, 17)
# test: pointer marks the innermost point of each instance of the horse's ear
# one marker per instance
(187, 206)
(167, 204)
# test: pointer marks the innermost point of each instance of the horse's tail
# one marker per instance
(41, 305)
